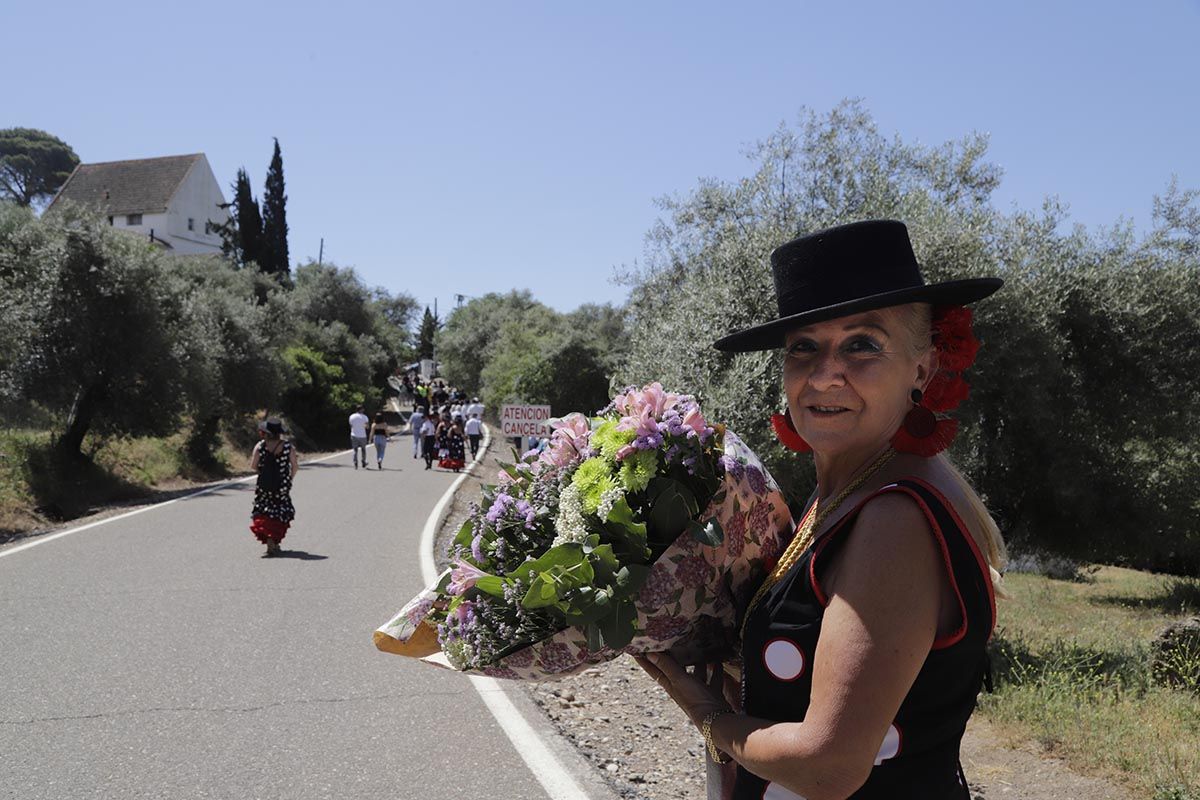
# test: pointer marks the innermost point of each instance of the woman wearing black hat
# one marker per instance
(275, 460)
(864, 650)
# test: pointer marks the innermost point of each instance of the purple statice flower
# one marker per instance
(651, 441)
(499, 506)
(525, 510)
(477, 548)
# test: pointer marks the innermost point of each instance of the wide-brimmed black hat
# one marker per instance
(272, 425)
(846, 270)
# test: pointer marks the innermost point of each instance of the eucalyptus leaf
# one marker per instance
(564, 555)
(672, 507)
(464, 536)
(542, 592)
(631, 577)
(629, 537)
(492, 584)
(617, 628)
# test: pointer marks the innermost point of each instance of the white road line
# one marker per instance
(545, 766)
(215, 487)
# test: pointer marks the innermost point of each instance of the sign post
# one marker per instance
(520, 421)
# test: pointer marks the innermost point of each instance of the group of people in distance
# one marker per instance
(445, 432)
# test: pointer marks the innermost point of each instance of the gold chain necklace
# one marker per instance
(809, 527)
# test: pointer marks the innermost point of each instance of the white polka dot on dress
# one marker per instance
(783, 659)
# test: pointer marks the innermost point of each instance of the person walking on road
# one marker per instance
(414, 423)
(275, 460)
(358, 435)
(428, 441)
(379, 434)
(474, 430)
(453, 455)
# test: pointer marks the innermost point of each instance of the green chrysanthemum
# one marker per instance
(638, 469)
(593, 479)
(608, 440)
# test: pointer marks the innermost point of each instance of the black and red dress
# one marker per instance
(273, 511)
(919, 756)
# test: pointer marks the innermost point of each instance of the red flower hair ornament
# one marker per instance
(922, 433)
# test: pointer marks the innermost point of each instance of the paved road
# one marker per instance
(161, 656)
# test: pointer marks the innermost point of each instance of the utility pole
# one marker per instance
(321, 252)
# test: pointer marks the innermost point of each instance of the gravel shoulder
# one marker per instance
(644, 747)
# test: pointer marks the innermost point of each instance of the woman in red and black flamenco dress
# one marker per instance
(863, 652)
(275, 460)
(454, 444)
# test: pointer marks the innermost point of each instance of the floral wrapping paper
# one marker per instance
(690, 604)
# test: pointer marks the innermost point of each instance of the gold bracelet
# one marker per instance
(706, 729)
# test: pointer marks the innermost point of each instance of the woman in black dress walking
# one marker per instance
(274, 459)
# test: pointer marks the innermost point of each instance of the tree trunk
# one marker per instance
(83, 410)
(202, 444)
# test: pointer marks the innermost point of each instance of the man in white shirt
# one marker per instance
(474, 430)
(428, 440)
(475, 408)
(358, 435)
(415, 422)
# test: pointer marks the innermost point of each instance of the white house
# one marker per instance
(174, 201)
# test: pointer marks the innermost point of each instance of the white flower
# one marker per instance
(607, 501)
(569, 522)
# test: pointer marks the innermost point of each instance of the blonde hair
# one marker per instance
(918, 321)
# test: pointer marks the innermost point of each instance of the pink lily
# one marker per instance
(463, 576)
(695, 420)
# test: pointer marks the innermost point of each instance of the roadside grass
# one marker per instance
(39, 487)
(1072, 667)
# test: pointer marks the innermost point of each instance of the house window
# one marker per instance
(191, 224)
(133, 219)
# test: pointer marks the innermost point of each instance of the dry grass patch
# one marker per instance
(1072, 667)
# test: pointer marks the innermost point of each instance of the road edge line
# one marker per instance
(49, 537)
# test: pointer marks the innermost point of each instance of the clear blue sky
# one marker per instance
(468, 147)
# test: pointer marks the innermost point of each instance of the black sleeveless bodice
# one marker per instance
(919, 755)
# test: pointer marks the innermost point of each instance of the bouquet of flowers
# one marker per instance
(638, 530)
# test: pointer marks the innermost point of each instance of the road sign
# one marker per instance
(524, 420)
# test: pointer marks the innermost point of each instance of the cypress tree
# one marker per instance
(429, 327)
(249, 220)
(274, 248)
